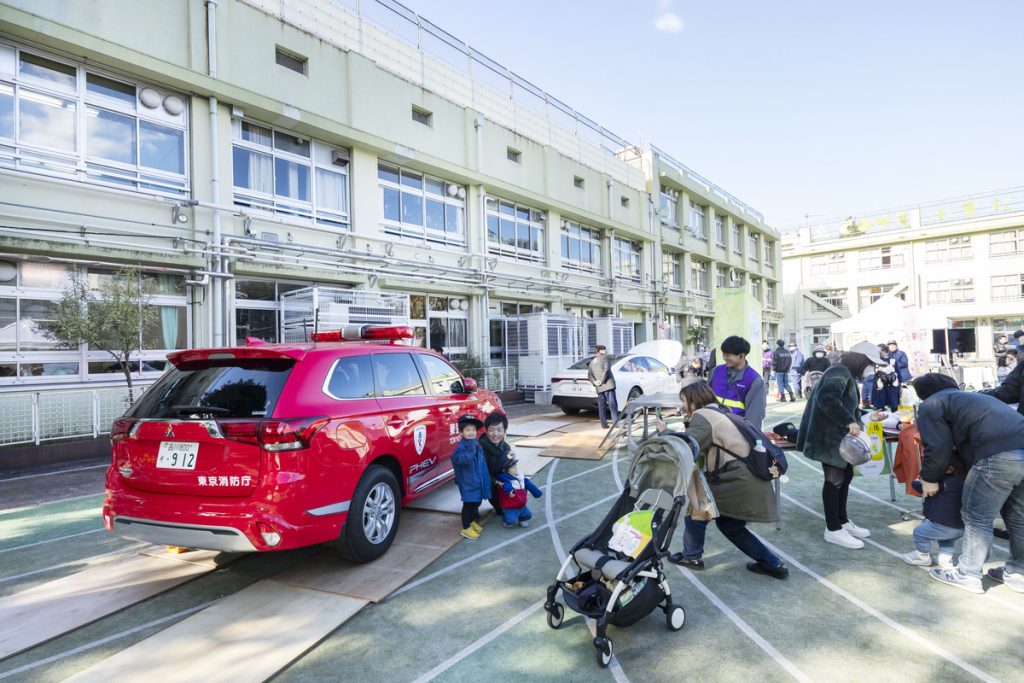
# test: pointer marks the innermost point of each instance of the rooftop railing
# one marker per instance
(711, 188)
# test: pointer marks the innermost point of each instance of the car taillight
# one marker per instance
(122, 428)
(244, 431)
(290, 435)
(561, 379)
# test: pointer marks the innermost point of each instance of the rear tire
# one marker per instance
(555, 615)
(675, 618)
(604, 651)
(570, 411)
(372, 517)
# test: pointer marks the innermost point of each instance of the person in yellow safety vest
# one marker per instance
(737, 385)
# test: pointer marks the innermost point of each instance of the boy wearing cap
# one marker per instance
(471, 475)
(513, 495)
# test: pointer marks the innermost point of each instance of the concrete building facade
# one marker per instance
(238, 150)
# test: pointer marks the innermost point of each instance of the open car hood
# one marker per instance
(668, 351)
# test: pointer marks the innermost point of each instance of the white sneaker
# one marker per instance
(856, 531)
(945, 561)
(918, 558)
(971, 584)
(843, 538)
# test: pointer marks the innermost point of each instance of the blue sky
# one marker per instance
(826, 108)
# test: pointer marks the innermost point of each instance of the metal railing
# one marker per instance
(34, 417)
(407, 45)
(499, 377)
(684, 170)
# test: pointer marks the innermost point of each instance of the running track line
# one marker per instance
(49, 502)
(104, 641)
(896, 553)
(891, 623)
(51, 540)
(886, 502)
(50, 474)
(72, 563)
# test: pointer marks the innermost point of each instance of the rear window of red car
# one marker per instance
(243, 389)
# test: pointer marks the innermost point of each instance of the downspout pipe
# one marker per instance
(216, 286)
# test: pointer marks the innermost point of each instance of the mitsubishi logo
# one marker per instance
(169, 432)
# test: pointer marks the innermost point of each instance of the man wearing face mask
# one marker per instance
(817, 362)
(898, 359)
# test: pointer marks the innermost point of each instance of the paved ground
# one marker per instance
(474, 614)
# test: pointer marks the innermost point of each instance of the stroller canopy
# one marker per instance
(661, 462)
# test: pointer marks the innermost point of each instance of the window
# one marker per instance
(828, 264)
(514, 230)
(1007, 287)
(418, 205)
(59, 119)
(737, 238)
(769, 253)
(697, 222)
(422, 116)
(820, 335)
(754, 246)
(513, 155)
(673, 327)
(755, 287)
(441, 376)
(1007, 243)
(699, 276)
(882, 257)
(948, 249)
(351, 378)
(577, 182)
(257, 306)
(833, 297)
(869, 295)
(292, 61)
(720, 275)
(581, 247)
(668, 206)
(277, 171)
(719, 229)
(671, 270)
(626, 259)
(769, 295)
(959, 290)
(397, 375)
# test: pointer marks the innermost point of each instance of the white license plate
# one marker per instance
(578, 388)
(177, 455)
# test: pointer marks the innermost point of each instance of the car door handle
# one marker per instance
(395, 422)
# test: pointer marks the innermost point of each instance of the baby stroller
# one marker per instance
(602, 582)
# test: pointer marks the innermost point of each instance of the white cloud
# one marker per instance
(669, 22)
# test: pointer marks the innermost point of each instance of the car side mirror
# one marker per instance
(469, 384)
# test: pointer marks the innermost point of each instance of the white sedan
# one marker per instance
(647, 368)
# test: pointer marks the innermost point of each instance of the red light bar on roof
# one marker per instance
(363, 332)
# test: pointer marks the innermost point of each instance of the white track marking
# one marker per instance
(578, 474)
(103, 641)
(759, 640)
(49, 502)
(83, 560)
(548, 512)
(474, 557)
(615, 470)
(50, 474)
(477, 644)
(891, 623)
(897, 554)
(889, 503)
(51, 540)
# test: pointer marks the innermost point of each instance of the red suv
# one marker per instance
(277, 446)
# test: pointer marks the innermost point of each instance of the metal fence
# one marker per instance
(499, 377)
(407, 45)
(52, 415)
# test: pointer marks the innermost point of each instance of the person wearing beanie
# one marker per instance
(989, 440)
(830, 414)
(817, 363)
(898, 359)
(782, 362)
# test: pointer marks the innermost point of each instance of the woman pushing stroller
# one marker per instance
(740, 496)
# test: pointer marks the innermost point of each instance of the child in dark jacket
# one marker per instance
(943, 522)
(471, 475)
(513, 495)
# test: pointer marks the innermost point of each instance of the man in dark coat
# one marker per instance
(600, 374)
(1012, 389)
(898, 359)
(989, 439)
(496, 451)
(782, 362)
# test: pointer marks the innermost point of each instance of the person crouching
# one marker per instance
(471, 475)
(513, 495)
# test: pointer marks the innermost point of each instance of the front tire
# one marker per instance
(372, 517)
(570, 411)
(604, 651)
(555, 615)
(675, 618)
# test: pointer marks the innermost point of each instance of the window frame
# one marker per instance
(535, 219)
(697, 220)
(699, 277)
(592, 237)
(672, 270)
(455, 238)
(627, 259)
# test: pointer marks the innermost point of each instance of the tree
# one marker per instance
(111, 319)
(696, 337)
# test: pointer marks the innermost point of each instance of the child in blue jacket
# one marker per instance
(513, 495)
(471, 475)
(942, 523)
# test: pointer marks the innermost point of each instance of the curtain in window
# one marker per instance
(169, 326)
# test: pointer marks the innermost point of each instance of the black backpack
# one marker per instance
(768, 465)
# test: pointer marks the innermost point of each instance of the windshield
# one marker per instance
(583, 364)
(243, 390)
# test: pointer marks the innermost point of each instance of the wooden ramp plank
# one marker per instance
(530, 462)
(422, 538)
(39, 614)
(535, 427)
(542, 441)
(443, 499)
(587, 426)
(577, 445)
(248, 636)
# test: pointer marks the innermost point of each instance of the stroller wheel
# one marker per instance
(555, 615)
(905, 516)
(604, 651)
(675, 617)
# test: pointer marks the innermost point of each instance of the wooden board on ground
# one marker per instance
(248, 636)
(422, 538)
(579, 445)
(530, 462)
(542, 441)
(39, 614)
(535, 427)
(582, 427)
(444, 499)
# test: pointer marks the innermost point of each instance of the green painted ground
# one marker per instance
(843, 615)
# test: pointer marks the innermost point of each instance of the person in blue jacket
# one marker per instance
(898, 359)
(471, 475)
